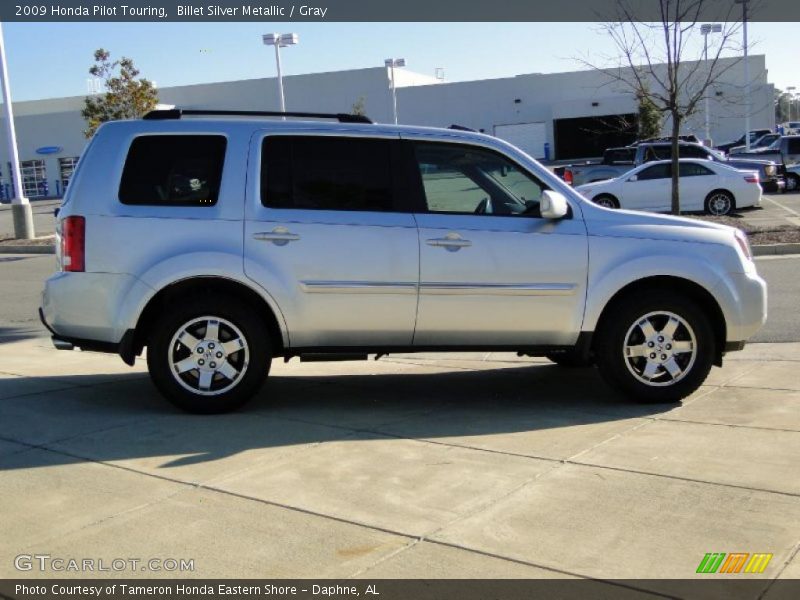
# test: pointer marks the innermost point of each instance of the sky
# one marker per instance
(47, 60)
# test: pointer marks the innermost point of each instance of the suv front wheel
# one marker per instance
(209, 355)
(655, 347)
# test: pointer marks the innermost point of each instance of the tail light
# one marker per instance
(73, 244)
(744, 243)
(751, 178)
(568, 176)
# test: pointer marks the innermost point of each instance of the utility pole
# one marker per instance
(20, 207)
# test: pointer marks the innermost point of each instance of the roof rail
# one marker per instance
(461, 128)
(177, 113)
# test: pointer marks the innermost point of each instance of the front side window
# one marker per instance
(173, 170)
(793, 147)
(326, 173)
(463, 179)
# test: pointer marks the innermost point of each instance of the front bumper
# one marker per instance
(774, 185)
(744, 306)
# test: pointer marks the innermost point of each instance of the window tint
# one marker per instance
(691, 152)
(180, 170)
(793, 147)
(326, 173)
(655, 172)
(693, 169)
(464, 179)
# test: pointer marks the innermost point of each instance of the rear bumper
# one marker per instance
(124, 347)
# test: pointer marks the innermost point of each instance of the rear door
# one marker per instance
(324, 237)
(696, 181)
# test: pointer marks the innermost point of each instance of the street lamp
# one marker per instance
(280, 40)
(792, 100)
(392, 63)
(20, 207)
(705, 29)
(746, 76)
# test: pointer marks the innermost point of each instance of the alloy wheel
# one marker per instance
(660, 348)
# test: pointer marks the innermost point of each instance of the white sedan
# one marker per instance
(704, 186)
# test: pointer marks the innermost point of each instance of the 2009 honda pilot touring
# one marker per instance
(220, 242)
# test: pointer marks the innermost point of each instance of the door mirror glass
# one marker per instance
(553, 205)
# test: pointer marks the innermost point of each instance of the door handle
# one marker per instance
(280, 236)
(451, 242)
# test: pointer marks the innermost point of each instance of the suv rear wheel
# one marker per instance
(655, 347)
(210, 355)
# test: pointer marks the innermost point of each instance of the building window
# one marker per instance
(66, 167)
(34, 178)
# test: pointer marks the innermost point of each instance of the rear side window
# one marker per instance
(326, 173)
(693, 170)
(173, 170)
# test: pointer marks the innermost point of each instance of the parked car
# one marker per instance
(769, 173)
(754, 135)
(334, 239)
(790, 128)
(714, 188)
(784, 151)
(763, 142)
(793, 177)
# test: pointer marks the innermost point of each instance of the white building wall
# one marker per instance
(422, 100)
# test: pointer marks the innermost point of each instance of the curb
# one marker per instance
(29, 249)
(764, 250)
(776, 249)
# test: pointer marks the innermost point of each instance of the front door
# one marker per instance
(492, 271)
(323, 236)
(650, 189)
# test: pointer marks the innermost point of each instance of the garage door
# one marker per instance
(529, 137)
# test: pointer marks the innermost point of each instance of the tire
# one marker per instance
(204, 372)
(570, 359)
(689, 349)
(792, 183)
(720, 203)
(606, 200)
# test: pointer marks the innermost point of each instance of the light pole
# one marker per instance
(280, 40)
(20, 207)
(746, 76)
(792, 101)
(392, 63)
(705, 29)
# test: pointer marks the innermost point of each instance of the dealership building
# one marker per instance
(556, 116)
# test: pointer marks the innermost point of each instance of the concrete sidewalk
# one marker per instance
(435, 466)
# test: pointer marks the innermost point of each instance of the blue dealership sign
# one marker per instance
(49, 150)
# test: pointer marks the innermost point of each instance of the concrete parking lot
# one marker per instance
(438, 466)
(431, 465)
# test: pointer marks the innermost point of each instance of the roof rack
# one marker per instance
(461, 128)
(177, 113)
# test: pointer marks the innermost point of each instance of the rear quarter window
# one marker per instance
(173, 170)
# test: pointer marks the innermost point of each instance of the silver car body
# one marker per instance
(362, 279)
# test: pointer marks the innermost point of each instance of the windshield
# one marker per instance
(716, 154)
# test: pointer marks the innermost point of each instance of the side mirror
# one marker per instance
(633, 178)
(553, 205)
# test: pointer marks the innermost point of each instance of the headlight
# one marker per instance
(769, 169)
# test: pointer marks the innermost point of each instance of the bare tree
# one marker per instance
(663, 61)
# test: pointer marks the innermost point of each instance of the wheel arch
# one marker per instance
(205, 284)
(702, 296)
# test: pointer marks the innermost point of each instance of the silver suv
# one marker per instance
(221, 240)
